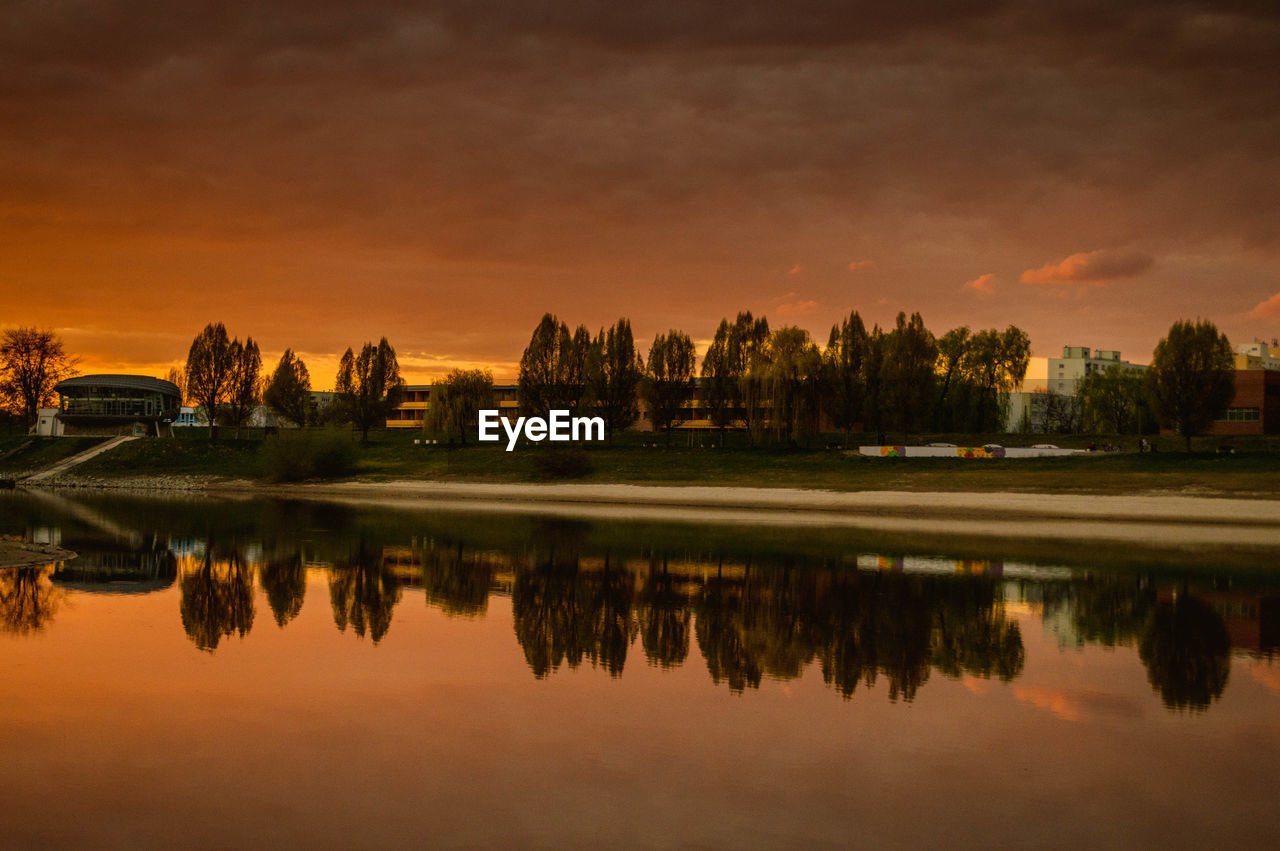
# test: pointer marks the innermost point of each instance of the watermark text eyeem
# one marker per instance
(559, 427)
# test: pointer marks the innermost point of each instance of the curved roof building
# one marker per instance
(117, 404)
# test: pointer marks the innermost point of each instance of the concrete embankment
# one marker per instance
(66, 464)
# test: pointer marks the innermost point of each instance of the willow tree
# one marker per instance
(456, 402)
(791, 380)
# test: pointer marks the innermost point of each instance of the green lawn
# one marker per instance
(1254, 469)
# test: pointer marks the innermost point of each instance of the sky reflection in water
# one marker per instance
(241, 672)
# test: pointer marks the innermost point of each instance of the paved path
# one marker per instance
(67, 463)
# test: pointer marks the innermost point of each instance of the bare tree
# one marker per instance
(32, 361)
(245, 386)
(210, 366)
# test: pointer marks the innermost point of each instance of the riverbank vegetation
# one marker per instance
(1253, 466)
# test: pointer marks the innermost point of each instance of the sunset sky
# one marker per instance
(316, 174)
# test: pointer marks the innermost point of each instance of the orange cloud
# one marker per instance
(796, 269)
(796, 308)
(985, 284)
(1094, 267)
(1269, 309)
(859, 265)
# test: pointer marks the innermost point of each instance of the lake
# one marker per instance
(230, 672)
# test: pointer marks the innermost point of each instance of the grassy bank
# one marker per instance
(1253, 469)
(23, 454)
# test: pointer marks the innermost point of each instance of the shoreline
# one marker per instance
(1151, 521)
(1148, 506)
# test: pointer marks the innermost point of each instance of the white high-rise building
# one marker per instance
(1077, 362)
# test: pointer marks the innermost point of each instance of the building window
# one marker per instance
(1242, 415)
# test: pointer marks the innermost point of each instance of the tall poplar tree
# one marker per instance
(668, 382)
(369, 385)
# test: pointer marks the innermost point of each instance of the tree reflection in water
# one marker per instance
(1187, 653)
(284, 581)
(363, 592)
(457, 582)
(756, 606)
(664, 619)
(564, 613)
(217, 597)
(28, 600)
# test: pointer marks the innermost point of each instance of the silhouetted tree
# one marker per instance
(790, 376)
(553, 368)
(243, 393)
(845, 384)
(875, 398)
(615, 372)
(1192, 377)
(32, 361)
(211, 365)
(719, 380)
(668, 383)
(911, 354)
(369, 386)
(289, 391)
(974, 372)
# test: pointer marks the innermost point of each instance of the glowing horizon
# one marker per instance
(315, 177)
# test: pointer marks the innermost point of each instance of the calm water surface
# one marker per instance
(231, 673)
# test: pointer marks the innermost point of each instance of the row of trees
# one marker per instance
(779, 382)
(223, 378)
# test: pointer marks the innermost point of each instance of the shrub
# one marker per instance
(561, 464)
(296, 456)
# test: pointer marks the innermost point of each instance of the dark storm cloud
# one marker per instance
(481, 161)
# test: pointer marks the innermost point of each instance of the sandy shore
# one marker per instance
(935, 504)
(1149, 519)
(23, 554)
(1181, 522)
